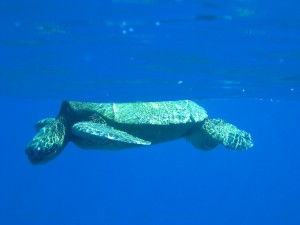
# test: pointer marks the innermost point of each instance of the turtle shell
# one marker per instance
(151, 121)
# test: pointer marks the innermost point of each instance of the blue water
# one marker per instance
(238, 59)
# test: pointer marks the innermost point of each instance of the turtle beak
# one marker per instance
(37, 155)
(40, 155)
(34, 157)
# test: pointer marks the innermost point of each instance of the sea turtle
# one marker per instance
(125, 125)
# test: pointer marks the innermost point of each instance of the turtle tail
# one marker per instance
(227, 134)
(48, 142)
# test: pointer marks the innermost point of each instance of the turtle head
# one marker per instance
(48, 142)
(227, 134)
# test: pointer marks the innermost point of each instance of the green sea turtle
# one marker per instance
(125, 125)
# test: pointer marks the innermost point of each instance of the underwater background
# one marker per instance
(239, 59)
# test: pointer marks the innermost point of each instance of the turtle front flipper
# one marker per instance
(227, 134)
(91, 135)
(48, 142)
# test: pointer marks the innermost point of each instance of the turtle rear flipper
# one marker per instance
(227, 134)
(98, 136)
(48, 142)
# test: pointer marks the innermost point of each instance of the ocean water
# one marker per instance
(240, 59)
